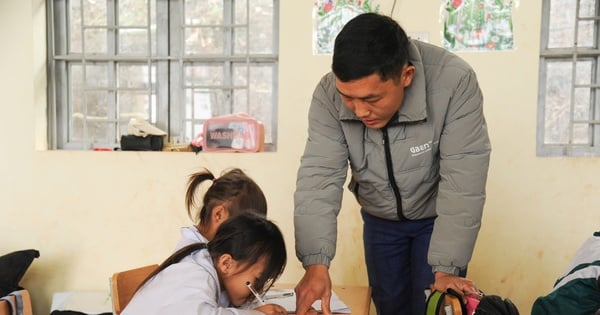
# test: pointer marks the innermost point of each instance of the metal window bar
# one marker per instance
(573, 78)
(229, 28)
(247, 57)
(112, 49)
(183, 77)
(274, 109)
(84, 74)
(595, 88)
(151, 112)
(51, 130)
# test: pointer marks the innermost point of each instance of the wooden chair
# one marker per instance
(6, 309)
(124, 284)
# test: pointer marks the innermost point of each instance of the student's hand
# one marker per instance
(271, 309)
(462, 286)
(314, 285)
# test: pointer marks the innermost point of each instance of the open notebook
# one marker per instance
(287, 299)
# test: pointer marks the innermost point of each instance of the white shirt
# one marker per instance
(190, 235)
(190, 287)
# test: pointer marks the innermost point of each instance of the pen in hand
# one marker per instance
(249, 285)
(278, 295)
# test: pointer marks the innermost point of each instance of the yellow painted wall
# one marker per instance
(93, 213)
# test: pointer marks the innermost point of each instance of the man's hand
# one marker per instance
(314, 285)
(463, 286)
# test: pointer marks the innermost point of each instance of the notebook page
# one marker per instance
(287, 299)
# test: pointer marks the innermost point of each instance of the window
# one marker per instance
(174, 63)
(569, 95)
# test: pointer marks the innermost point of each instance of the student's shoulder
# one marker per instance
(194, 268)
(190, 235)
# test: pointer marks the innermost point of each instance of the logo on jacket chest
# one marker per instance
(420, 149)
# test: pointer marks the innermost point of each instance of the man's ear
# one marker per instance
(408, 73)
(225, 264)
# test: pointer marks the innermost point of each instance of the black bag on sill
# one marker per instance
(136, 143)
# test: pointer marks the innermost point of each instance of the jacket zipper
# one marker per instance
(390, 171)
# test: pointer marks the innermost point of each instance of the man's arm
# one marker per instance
(318, 197)
(464, 154)
(321, 176)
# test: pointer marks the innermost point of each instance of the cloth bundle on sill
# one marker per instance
(142, 136)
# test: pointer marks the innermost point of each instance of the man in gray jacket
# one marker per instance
(408, 119)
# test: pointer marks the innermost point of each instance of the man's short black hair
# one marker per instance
(370, 43)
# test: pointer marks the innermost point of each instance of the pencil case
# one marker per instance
(233, 133)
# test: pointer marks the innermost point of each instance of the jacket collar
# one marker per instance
(414, 105)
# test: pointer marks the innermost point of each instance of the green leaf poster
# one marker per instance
(329, 16)
(478, 25)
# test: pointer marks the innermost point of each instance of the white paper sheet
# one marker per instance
(287, 299)
(88, 302)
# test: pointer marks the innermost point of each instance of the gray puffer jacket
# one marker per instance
(439, 149)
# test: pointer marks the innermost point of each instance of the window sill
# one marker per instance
(269, 147)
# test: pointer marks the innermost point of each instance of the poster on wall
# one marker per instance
(477, 25)
(329, 16)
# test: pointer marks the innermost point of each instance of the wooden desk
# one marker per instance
(358, 298)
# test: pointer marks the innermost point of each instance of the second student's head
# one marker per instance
(229, 195)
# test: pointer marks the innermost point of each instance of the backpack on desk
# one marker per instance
(445, 303)
(450, 303)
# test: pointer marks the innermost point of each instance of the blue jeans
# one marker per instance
(396, 258)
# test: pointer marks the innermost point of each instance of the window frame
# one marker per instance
(166, 58)
(576, 55)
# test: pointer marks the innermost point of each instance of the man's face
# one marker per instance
(374, 101)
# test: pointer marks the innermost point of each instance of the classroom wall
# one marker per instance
(93, 213)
